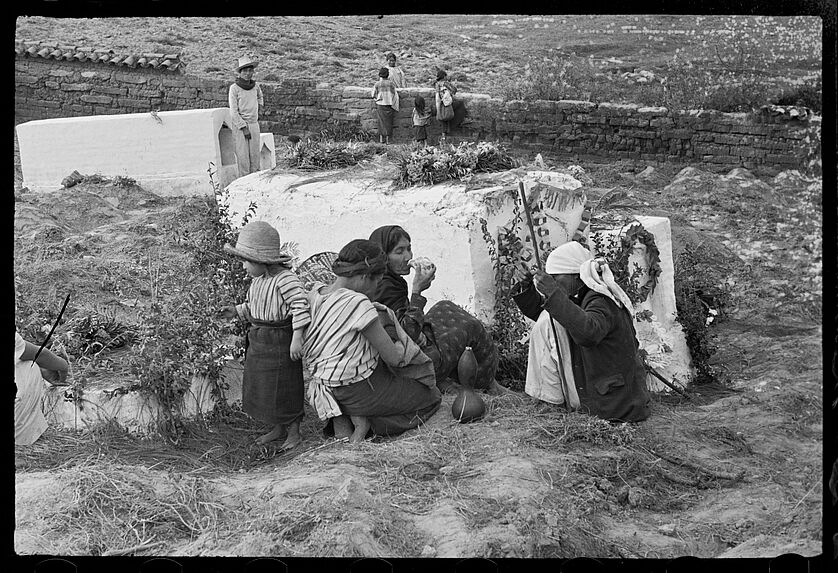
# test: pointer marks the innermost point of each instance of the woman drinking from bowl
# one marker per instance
(446, 329)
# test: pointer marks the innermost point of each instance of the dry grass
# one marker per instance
(113, 509)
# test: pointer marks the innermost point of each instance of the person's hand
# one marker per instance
(545, 284)
(55, 377)
(227, 312)
(246, 132)
(521, 273)
(425, 274)
(296, 349)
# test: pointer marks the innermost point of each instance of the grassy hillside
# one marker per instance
(483, 53)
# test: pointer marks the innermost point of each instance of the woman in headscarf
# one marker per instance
(577, 305)
(446, 329)
(364, 367)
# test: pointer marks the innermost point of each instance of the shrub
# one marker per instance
(809, 94)
(337, 130)
(325, 154)
(430, 165)
(698, 304)
(180, 336)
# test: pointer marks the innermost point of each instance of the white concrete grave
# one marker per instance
(445, 221)
(662, 337)
(133, 411)
(167, 153)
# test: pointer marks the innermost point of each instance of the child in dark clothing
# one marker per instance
(421, 119)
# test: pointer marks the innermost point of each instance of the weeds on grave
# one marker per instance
(509, 330)
(698, 304)
(324, 154)
(431, 164)
(180, 336)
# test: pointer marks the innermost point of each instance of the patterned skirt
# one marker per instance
(454, 329)
(272, 387)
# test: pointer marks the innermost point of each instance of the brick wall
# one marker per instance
(583, 130)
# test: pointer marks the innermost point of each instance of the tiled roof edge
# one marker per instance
(61, 52)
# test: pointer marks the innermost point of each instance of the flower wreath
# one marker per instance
(619, 262)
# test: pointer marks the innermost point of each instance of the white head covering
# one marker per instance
(572, 258)
(566, 259)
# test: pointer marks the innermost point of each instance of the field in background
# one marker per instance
(483, 53)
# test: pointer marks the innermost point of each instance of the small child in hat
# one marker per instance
(278, 311)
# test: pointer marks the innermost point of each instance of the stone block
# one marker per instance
(129, 78)
(103, 99)
(75, 87)
(60, 73)
(444, 221)
(26, 79)
(617, 109)
(109, 90)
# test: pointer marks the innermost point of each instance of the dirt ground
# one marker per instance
(736, 471)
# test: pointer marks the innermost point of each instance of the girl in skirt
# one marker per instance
(278, 311)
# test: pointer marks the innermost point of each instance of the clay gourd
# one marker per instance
(467, 406)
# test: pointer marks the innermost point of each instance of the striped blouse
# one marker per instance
(335, 350)
(273, 298)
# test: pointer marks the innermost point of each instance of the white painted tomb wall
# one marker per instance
(168, 153)
(444, 222)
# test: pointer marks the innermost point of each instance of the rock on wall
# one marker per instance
(764, 142)
(449, 224)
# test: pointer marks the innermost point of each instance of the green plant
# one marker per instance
(337, 130)
(809, 94)
(180, 336)
(430, 165)
(324, 154)
(509, 328)
(698, 304)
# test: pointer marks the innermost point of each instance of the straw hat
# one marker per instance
(259, 242)
(244, 62)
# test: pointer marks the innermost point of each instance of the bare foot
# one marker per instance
(362, 426)
(294, 439)
(276, 433)
(343, 427)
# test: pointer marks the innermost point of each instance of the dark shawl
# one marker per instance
(392, 291)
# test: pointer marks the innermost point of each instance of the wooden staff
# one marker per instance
(541, 268)
(54, 326)
(660, 377)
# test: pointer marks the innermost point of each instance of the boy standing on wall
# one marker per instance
(245, 100)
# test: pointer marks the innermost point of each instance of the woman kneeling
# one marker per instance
(357, 369)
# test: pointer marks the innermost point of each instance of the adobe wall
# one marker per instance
(765, 143)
